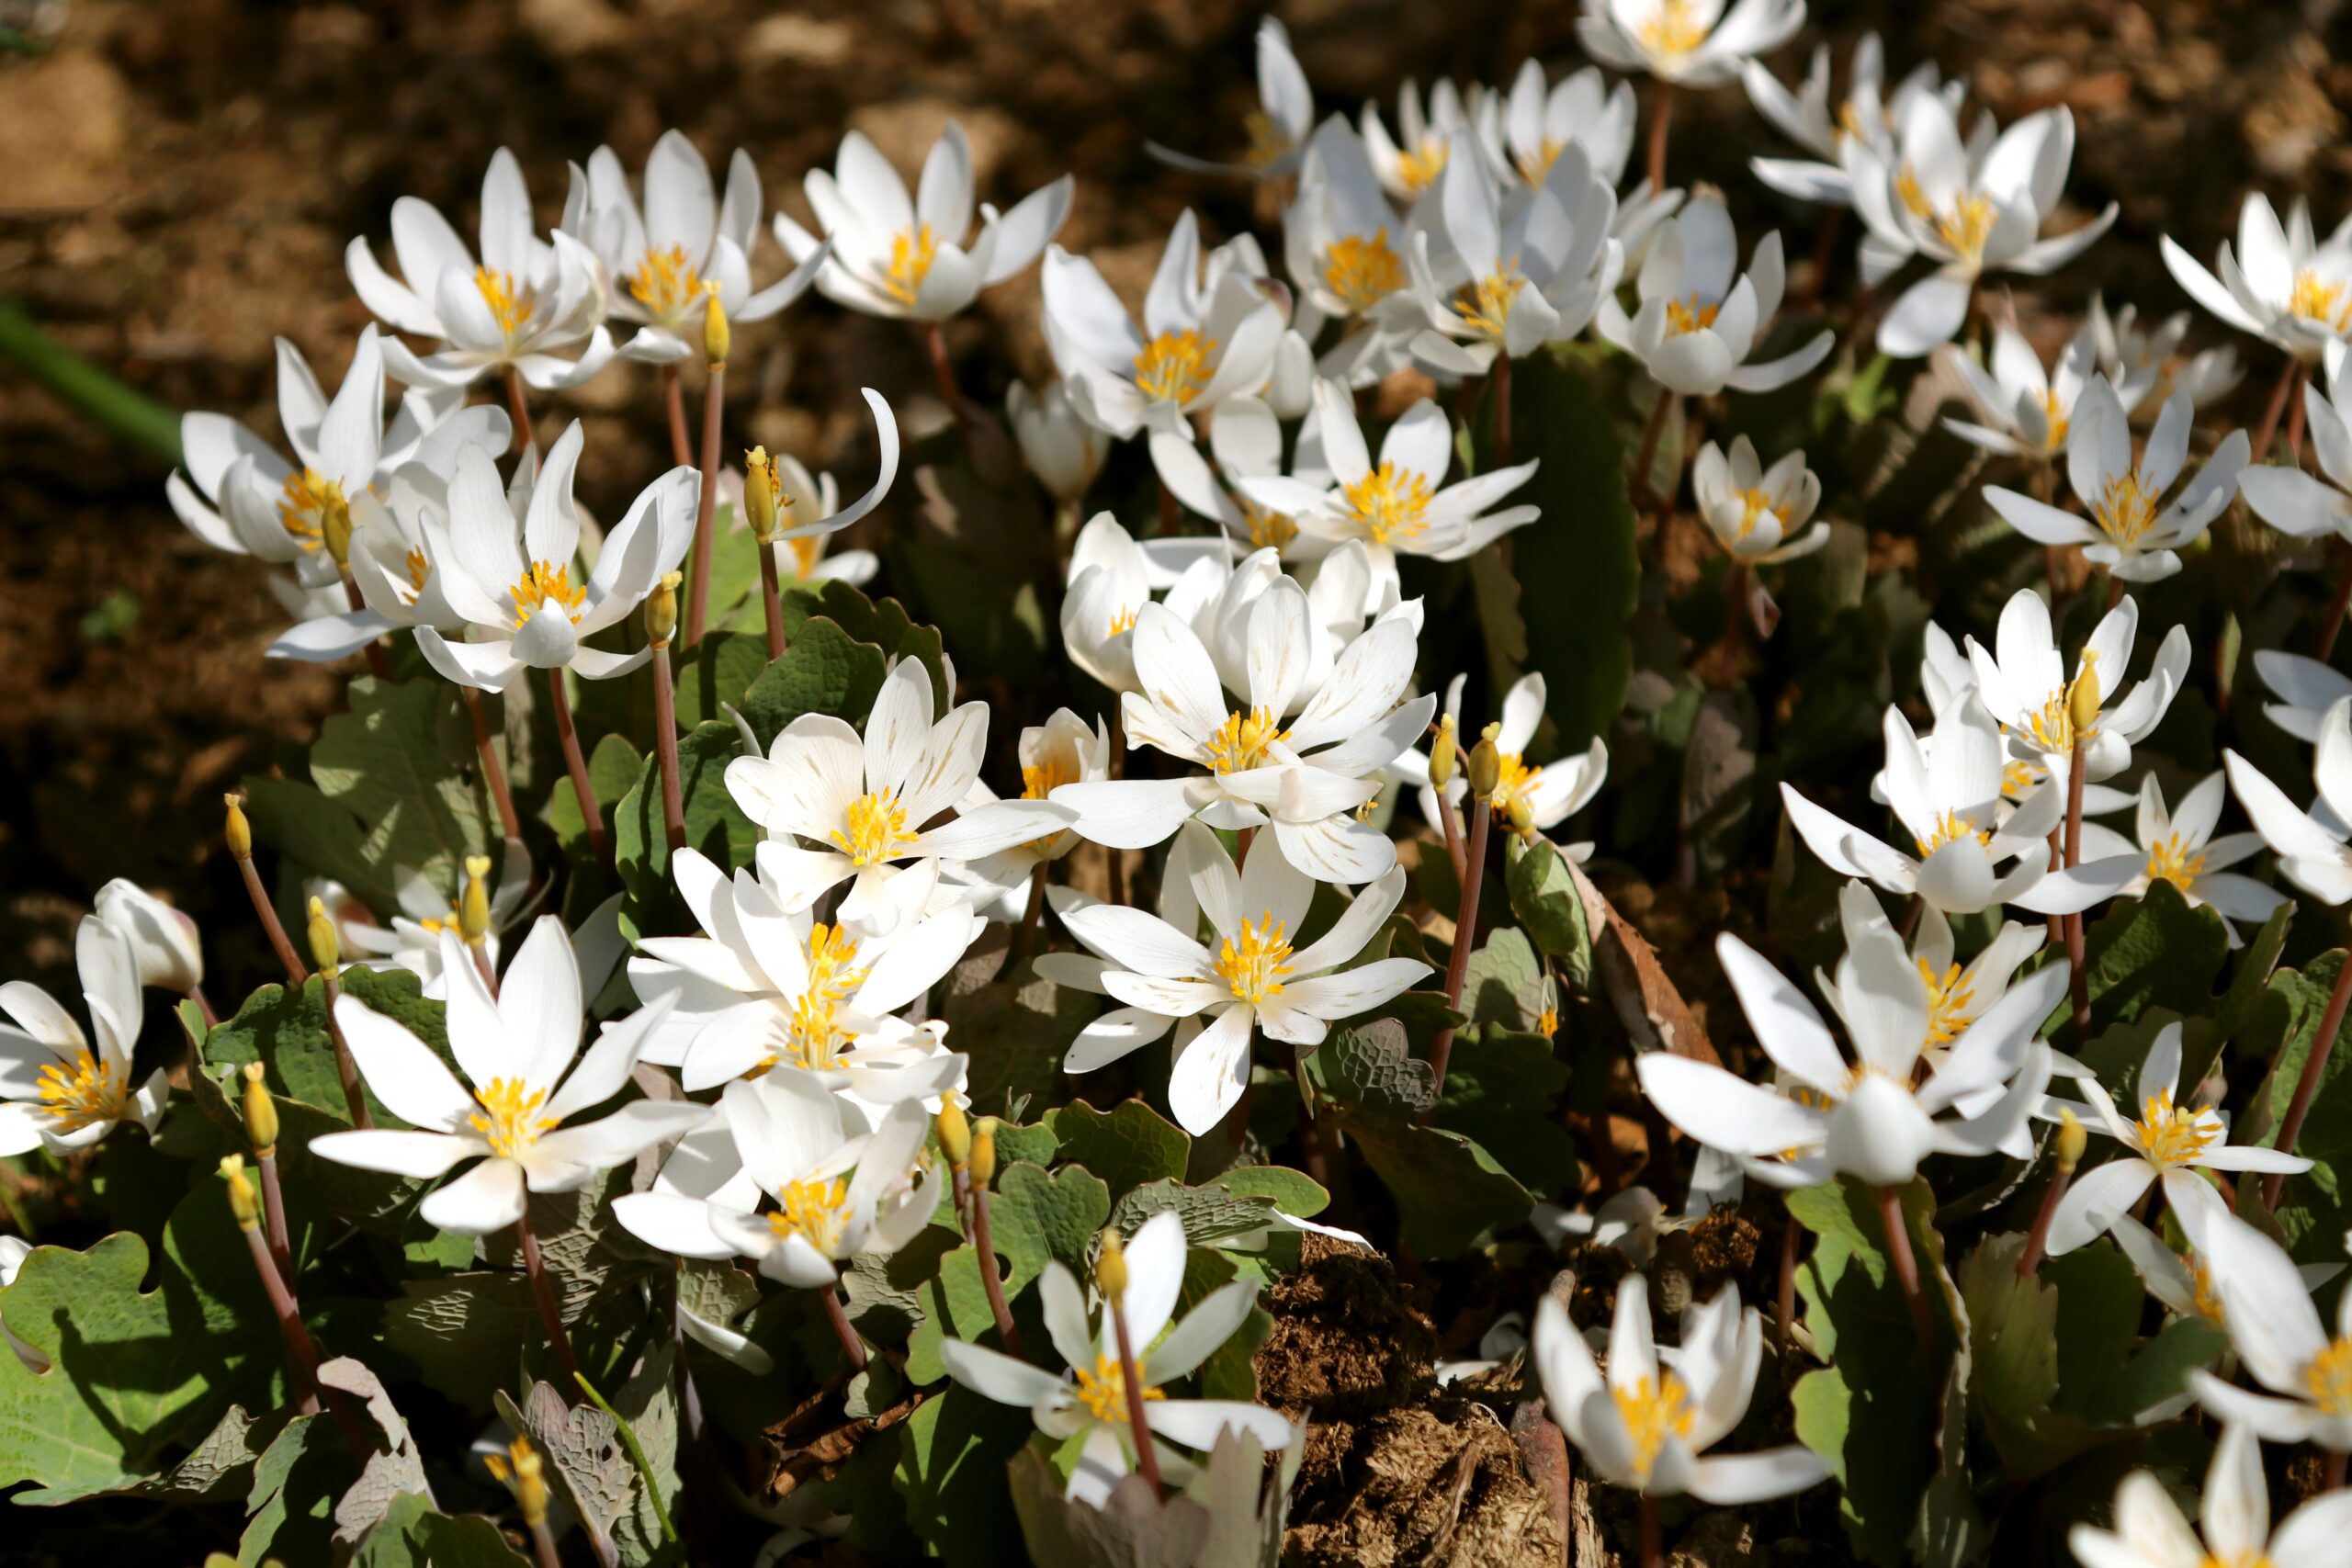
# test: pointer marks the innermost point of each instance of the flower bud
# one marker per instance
(524, 1473)
(335, 527)
(1485, 763)
(1445, 752)
(243, 1203)
(954, 1133)
(2072, 1139)
(715, 336)
(1521, 817)
(982, 1165)
(240, 832)
(327, 953)
(473, 905)
(760, 492)
(2083, 698)
(1111, 1264)
(261, 1114)
(661, 610)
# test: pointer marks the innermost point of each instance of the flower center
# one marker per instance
(1039, 781)
(1104, 1390)
(1269, 529)
(544, 585)
(1361, 271)
(813, 1039)
(2172, 1134)
(1243, 740)
(1948, 1003)
(1535, 165)
(2126, 508)
(1672, 30)
(2052, 728)
(1513, 778)
(2329, 1378)
(1419, 168)
(508, 307)
(1254, 964)
(805, 554)
(878, 828)
(1651, 1415)
(2202, 1292)
(2316, 299)
(666, 282)
(1174, 367)
(816, 1212)
(2018, 779)
(1389, 502)
(2174, 862)
(419, 569)
(1754, 506)
(1851, 122)
(2054, 416)
(1547, 1022)
(1967, 226)
(911, 252)
(84, 1094)
(510, 1121)
(1122, 622)
(1950, 827)
(303, 503)
(1689, 315)
(1485, 306)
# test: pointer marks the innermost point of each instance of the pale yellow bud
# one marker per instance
(982, 1165)
(242, 1200)
(1111, 1264)
(335, 527)
(1521, 817)
(326, 951)
(473, 905)
(715, 336)
(261, 1114)
(2083, 698)
(1445, 752)
(525, 1474)
(239, 832)
(1486, 763)
(760, 492)
(954, 1133)
(661, 610)
(2073, 1137)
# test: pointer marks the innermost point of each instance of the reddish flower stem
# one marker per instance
(707, 509)
(583, 791)
(1465, 935)
(2314, 1066)
(666, 749)
(543, 1292)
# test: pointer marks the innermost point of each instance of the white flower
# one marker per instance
(863, 807)
(515, 594)
(2310, 847)
(798, 494)
(1277, 128)
(1525, 130)
(1970, 207)
(1505, 279)
(838, 1190)
(762, 988)
(1643, 1425)
(57, 1091)
(1946, 794)
(1411, 162)
(2023, 684)
(1112, 578)
(1700, 317)
(1876, 1119)
(2285, 286)
(1246, 440)
(1757, 513)
(1692, 42)
(2311, 506)
(2236, 1510)
(518, 1055)
(413, 941)
(1344, 247)
(1088, 1404)
(1401, 505)
(166, 947)
(1304, 775)
(2306, 688)
(685, 238)
(528, 303)
(2024, 411)
(1254, 981)
(1064, 750)
(2275, 1328)
(2131, 530)
(1553, 792)
(892, 256)
(240, 496)
(2180, 849)
(1205, 336)
(2167, 1140)
(1341, 594)
(1064, 451)
(2142, 362)
(1956, 995)
(1866, 113)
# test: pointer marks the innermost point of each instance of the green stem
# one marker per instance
(635, 1455)
(115, 406)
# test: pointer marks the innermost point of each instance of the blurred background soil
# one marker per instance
(178, 179)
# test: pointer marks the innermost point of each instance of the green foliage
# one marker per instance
(715, 824)
(1127, 1146)
(2156, 951)
(2313, 1208)
(1544, 898)
(823, 671)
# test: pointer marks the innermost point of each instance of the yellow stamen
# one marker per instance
(83, 1095)
(419, 569)
(2316, 299)
(816, 1212)
(1949, 1011)
(1651, 1415)
(1689, 315)
(2174, 1134)
(1363, 271)
(511, 309)
(1547, 1022)
(1850, 123)
(2202, 1290)
(813, 1038)
(1174, 367)
(1419, 168)
(1389, 502)
(1243, 740)
(1672, 31)
(2126, 508)
(1043, 779)
(510, 1123)
(2329, 1378)
(1269, 530)
(2171, 861)
(665, 282)
(877, 830)
(1967, 226)
(1950, 827)
(1534, 166)
(1485, 306)
(1755, 506)
(1254, 965)
(1513, 779)
(2018, 779)
(2055, 417)
(912, 254)
(1104, 1390)
(543, 585)
(805, 553)
(303, 503)
(1122, 622)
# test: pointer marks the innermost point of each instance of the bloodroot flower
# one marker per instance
(57, 1091)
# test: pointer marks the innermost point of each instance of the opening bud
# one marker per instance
(1486, 763)
(473, 905)
(261, 1114)
(1445, 752)
(760, 492)
(1111, 1264)
(954, 1134)
(716, 335)
(326, 951)
(522, 1472)
(1521, 817)
(239, 832)
(982, 1165)
(2073, 1137)
(243, 1201)
(661, 610)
